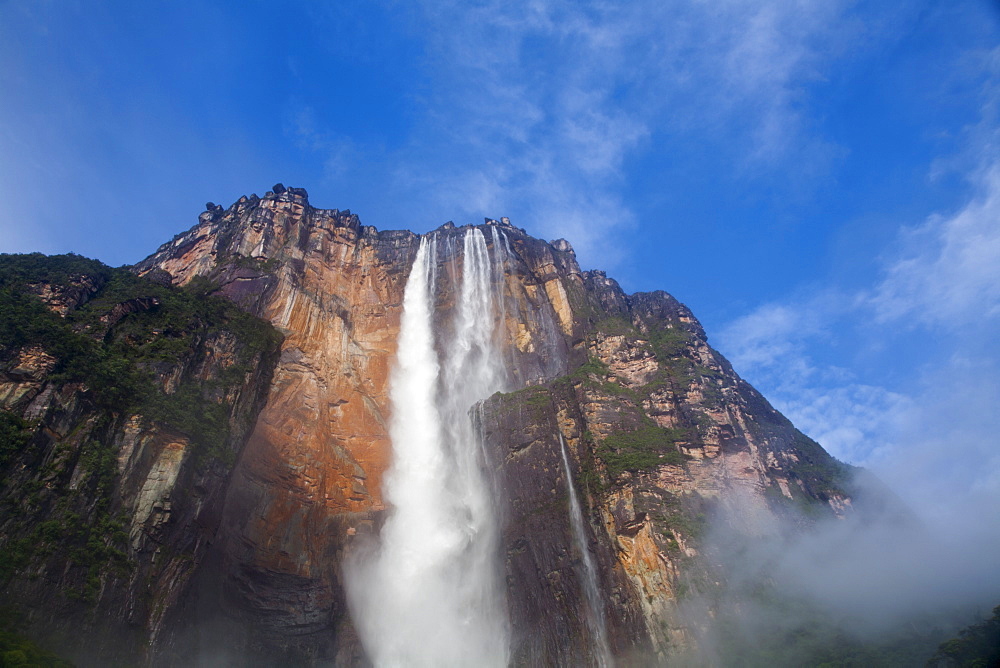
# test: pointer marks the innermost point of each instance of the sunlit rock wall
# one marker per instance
(600, 364)
(309, 479)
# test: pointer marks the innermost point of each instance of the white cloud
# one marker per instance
(772, 334)
(949, 444)
(775, 345)
(340, 152)
(949, 270)
(773, 342)
(854, 422)
(753, 63)
(534, 108)
(934, 434)
(935, 438)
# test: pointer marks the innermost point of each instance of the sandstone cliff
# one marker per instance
(660, 428)
(235, 555)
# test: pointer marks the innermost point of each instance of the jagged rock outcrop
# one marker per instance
(660, 430)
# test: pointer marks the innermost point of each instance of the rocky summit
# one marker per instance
(195, 450)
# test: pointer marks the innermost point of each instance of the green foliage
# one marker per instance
(618, 390)
(116, 365)
(817, 468)
(119, 346)
(591, 366)
(95, 542)
(685, 517)
(17, 650)
(94, 547)
(14, 435)
(589, 478)
(669, 345)
(539, 399)
(594, 373)
(535, 398)
(977, 646)
(52, 269)
(642, 449)
(205, 422)
(265, 266)
(669, 342)
(25, 320)
(615, 326)
(15, 554)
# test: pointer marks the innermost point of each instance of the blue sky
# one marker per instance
(818, 179)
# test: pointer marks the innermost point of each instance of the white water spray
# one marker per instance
(591, 591)
(431, 594)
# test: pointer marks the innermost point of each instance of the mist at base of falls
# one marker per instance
(430, 592)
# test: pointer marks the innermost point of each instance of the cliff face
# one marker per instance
(123, 407)
(310, 475)
(204, 515)
(661, 433)
(665, 438)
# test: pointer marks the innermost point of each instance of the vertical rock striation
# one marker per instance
(618, 397)
(310, 478)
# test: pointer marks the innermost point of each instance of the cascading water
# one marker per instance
(591, 591)
(430, 594)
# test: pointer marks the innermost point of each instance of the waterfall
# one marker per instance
(591, 590)
(500, 254)
(430, 593)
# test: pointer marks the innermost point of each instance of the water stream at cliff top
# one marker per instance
(431, 594)
(591, 590)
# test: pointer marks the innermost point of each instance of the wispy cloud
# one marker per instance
(773, 338)
(524, 118)
(933, 433)
(948, 271)
(747, 66)
(936, 302)
(775, 346)
(534, 109)
(945, 272)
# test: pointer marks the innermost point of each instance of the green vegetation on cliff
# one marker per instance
(820, 471)
(977, 646)
(19, 650)
(15, 433)
(130, 329)
(642, 449)
(16, 651)
(119, 345)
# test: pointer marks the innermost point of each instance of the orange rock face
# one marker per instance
(322, 433)
(308, 483)
(312, 467)
(310, 474)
